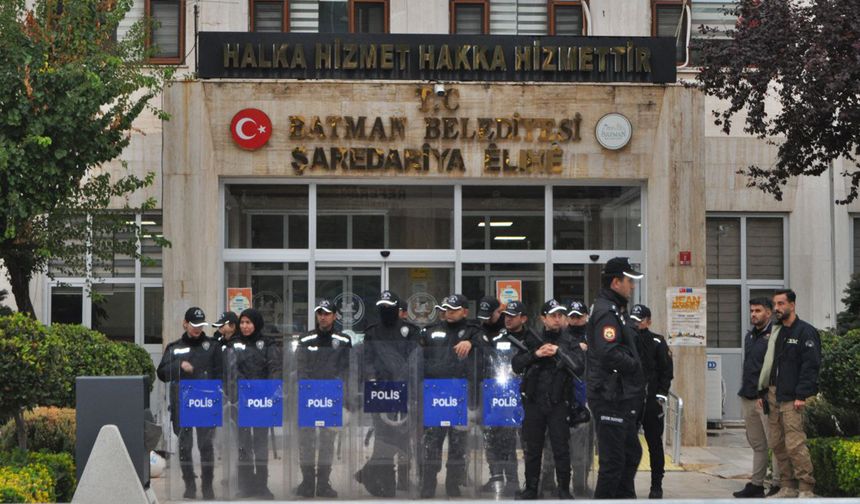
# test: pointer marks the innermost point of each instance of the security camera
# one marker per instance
(385, 253)
(439, 89)
(594, 257)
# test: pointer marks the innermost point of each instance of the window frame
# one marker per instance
(686, 10)
(167, 60)
(386, 13)
(285, 20)
(551, 6)
(745, 283)
(452, 14)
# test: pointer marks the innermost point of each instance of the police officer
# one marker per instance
(581, 438)
(322, 354)
(448, 353)
(225, 362)
(500, 442)
(616, 382)
(657, 365)
(547, 389)
(191, 357)
(258, 357)
(386, 355)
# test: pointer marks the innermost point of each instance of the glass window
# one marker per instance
(153, 315)
(333, 16)
(369, 17)
(263, 216)
(113, 311)
(607, 218)
(469, 18)
(354, 290)
(505, 218)
(765, 249)
(67, 305)
(724, 247)
(278, 290)
(422, 288)
(268, 16)
(481, 279)
(151, 252)
(718, 15)
(668, 17)
(377, 217)
(107, 260)
(567, 20)
(724, 316)
(576, 281)
(166, 32)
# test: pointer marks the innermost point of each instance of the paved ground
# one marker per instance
(712, 472)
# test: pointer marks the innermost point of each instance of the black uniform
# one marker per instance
(658, 369)
(796, 361)
(500, 442)
(440, 361)
(387, 354)
(547, 390)
(616, 394)
(257, 357)
(201, 353)
(581, 436)
(755, 348)
(322, 355)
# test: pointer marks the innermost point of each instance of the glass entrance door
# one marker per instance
(355, 288)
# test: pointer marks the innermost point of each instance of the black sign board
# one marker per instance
(499, 58)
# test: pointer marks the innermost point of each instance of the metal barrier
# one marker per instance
(672, 426)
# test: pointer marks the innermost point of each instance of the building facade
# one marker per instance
(421, 186)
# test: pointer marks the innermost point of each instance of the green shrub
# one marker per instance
(91, 353)
(60, 465)
(30, 364)
(822, 419)
(47, 428)
(836, 466)
(839, 378)
(30, 483)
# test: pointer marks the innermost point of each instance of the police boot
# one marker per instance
(190, 488)
(564, 491)
(263, 491)
(494, 485)
(402, 475)
(245, 476)
(452, 487)
(206, 477)
(324, 488)
(307, 487)
(428, 486)
(530, 492)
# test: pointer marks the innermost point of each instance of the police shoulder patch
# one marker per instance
(404, 331)
(461, 333)
(260, 344)
(609, 333)
(205, 345)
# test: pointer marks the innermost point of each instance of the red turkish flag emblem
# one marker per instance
(251, 128)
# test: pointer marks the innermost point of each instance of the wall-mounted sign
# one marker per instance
(251, 128)
(427, 57)
(238, 299)
(613, 131)
(687, 316)
(509, 290)
(685, 258)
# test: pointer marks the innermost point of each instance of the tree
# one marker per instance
(69, 93)
(804, 54)
(850, 317)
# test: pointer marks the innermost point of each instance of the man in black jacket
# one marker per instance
(386, 356)
(756, 423)
(547, 390)
(657, 365)
(792, 377)
(192, 357)
(616, 382)
(449, 349)
(322, 355)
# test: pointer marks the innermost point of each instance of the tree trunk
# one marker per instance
(20, 429)
(20, 281)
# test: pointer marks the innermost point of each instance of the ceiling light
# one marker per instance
(497, 224)
(510, 238)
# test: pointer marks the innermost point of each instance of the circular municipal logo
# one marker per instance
(350, 308)
(421, 308)
(251, 128)
(613, 131)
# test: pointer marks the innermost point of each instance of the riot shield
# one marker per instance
(320, 401)
(447, 445)
(195, 412)
(387, 420)
(501, 414)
